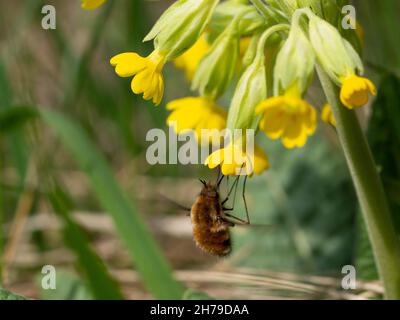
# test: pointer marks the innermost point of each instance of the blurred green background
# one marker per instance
(77, 193)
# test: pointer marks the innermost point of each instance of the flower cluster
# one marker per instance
(266, 52)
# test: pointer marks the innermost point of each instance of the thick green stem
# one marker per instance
(376, 214)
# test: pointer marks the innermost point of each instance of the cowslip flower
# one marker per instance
(91, 4)
(235, 161)
(355, 91)
(181, 25)
(176, 31)
(197, 114)
(146, 73)
(286, 115)
(341, 62)
(189, 61)
(327, 115)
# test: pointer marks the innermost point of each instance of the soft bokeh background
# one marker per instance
(77, 193)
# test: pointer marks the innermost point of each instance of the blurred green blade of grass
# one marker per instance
(151, 265)
(98, 279)
(13, 118)
(7, 295)
(16, 151)
(69, 287)
(16, 141)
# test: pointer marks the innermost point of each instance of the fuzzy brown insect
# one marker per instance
(210, 228)
(210, 221)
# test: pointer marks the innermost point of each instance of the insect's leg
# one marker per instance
(244, 199)
(247, 221)
(220, 177)
(241, 221)
(234, 186)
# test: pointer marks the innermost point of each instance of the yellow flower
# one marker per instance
(91, 4)
(327, 115)
(146, 73)
(234, 161)
(355, 91)
(192, 57)
(197, 113)
(288, 117)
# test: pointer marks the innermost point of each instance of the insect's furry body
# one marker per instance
(210, 227)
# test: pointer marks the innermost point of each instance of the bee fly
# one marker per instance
(210, 220)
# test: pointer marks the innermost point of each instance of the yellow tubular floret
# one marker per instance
(355, 91)
(146, 73)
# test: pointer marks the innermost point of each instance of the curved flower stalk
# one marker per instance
(91, 4)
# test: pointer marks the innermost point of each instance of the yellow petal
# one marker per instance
(260, 161)
(355, 91)
(215, 159)
(293, 135)
(273, 122)
(327, 115)
(127, 64)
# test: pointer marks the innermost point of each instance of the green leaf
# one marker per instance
(151, 265)
(102, 285)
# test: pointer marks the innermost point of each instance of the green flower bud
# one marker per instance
(295, 62)
(251, 89)
(180, 26)
(251, 51)
(217, 69)
(250, 23)
(336, 55)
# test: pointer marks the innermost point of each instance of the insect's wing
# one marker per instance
(237, 223)
(175, 204)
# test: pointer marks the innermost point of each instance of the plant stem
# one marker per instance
(260, 6)
(370, 193)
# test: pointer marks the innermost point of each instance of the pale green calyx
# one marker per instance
(181, 25)
(251, 88)
(250, 22)
(295, 62)
(335, 54)
(217, 69)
